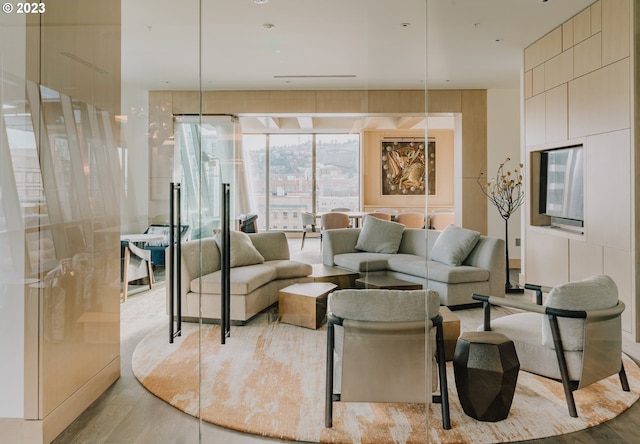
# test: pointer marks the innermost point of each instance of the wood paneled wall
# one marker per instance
(578, 89)
(471, 105)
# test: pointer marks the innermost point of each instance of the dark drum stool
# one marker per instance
(486, 367)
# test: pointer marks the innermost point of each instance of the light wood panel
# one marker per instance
(538, 79)
(619, 265)
(585, 259)
(556, 125)
(608, 179)
(588, 55)
(567, 35)
(558, 70)
(528, 84)
(582, 26)
(444, 101)
(546, 257)
(396, 101)
(616, 26)
(599, 101)
(542, 50)
(596, 17)
(535, 123)
(341, 101)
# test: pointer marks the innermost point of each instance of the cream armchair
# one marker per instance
(575, 337)
(376, 348)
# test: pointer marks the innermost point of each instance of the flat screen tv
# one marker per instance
(562, 185)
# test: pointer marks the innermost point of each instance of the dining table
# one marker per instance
(354, 216)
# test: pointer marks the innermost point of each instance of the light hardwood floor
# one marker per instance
(127, 413)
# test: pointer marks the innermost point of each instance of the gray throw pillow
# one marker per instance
(453, 245)
(379, 236)
(243, 252)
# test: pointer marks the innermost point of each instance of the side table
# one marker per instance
(485, 366)
(304, 304)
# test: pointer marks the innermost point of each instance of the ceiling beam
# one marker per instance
(269, 122)
(408, 122)
(306, 123)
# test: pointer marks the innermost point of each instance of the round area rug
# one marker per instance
(268, 379)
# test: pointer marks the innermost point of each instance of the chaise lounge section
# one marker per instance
(261, 266)
(458, 265)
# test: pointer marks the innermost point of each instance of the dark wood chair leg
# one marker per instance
(562, 363)
(623, 379)
(442, 375)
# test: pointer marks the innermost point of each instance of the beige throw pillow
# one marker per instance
(453, 245)
(380, 236)
(243, 251)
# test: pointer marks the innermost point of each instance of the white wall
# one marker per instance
(503, 140)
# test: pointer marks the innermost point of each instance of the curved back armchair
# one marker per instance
(308, 225)
(136, 264)
(574, 337)
(376, 348)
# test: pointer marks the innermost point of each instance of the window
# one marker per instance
(291, 173)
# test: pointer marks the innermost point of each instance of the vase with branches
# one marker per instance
(506, 192)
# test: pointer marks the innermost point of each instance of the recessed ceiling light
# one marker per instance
(268, 26)
(405, 24)
(260, 2)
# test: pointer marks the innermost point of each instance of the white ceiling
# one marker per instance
(471, 43)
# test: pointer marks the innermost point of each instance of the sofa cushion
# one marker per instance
(243, 279)
(453, 245)
(456, 275)
(362, 261)
(594, 293)
(290, 269)
(242, 249)
(408, 264)
(380, 236)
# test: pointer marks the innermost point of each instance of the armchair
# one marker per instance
(376, 348)
(136, 264)
(574, 337)
(309, 221)
(157, 248)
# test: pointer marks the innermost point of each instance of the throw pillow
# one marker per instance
(243, 252)
(454, 245)
(379, 236)
(593, 293)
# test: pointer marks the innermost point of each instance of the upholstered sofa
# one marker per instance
(260, 268)
(459, 261)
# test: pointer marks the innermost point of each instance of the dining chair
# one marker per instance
(332, 221)
(379, 215)
(309, 226)
(340, 209)
(411, 220)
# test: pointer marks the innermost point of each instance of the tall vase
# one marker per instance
(508, 287)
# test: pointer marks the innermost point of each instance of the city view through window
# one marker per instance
(291, 173)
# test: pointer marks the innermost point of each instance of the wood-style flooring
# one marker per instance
(127, 413)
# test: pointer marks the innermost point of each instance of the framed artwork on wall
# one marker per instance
(406, 169)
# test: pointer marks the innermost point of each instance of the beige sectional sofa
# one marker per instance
(255, 279)
(459, 267)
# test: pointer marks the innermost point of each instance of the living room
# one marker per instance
(145, 179)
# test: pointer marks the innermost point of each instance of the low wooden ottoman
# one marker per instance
(451, 330)
(304, 304)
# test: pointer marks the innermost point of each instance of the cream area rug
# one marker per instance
(268, 379)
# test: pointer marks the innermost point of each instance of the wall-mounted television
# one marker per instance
(562, 185)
